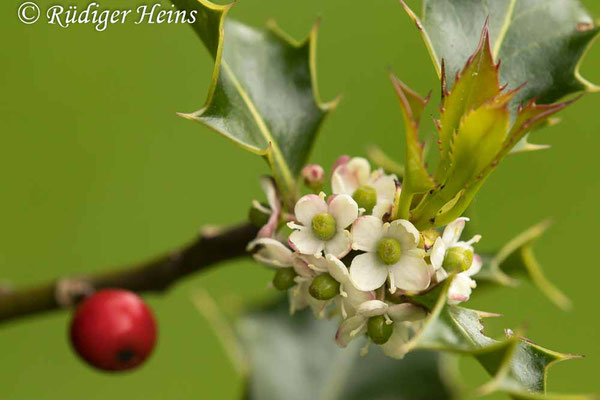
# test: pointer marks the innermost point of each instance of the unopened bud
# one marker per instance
(314, 177)
(340, 161)
(427, 238)
(458, 259)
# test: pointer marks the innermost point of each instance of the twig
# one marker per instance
(211, 247)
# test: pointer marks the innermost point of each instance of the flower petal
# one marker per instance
(349, 329)
(268, 186)
(366, 233)
(339, 245)
(475, 266)
(344, 209)
(460, 289)
(394, 347)
(438, 252)
(300, 265)
(453, 230)
(372, 308)
(271, 252)
(367, 272)
(404, 232)
(406, 312)
(349, 176)
(411, 273)
(305, 242)
(337, 269)
(381, 208)
(385, 186)
(307, 207)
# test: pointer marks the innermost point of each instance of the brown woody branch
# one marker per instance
(211, 247)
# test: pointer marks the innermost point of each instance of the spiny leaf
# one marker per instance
(516, 258)
(416, 178)
(263, 92)
(475, 145)
(295, 358)
(476, 84)
(539, 42)
(518, 367)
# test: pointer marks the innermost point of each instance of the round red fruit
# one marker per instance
(113, 330)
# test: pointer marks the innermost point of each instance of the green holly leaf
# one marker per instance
(416, 179)
(517, 259)
(540, 42)
(295, 357)
(518, 366)
(263, 94)
(476, 131)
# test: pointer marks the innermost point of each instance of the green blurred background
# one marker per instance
(97, 171)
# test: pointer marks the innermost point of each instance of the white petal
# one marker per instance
(366, 233)
(339, 245)
(394, 347)
(440, 275)
(300, 265)
(404, 232)
(298, 297)
(438, 252)
(385, 187)
(381, 208)
(411, 274)
(475, 266)
(271, 252)
(305, 242)
(337, 269)
(460, 289)
(349, 176)
(268, 186)
(307, 207)
(354, 298)
(453, 230)
(344, 210)
(367, 272)
(349, 329)
(372, 308)
(406, 312)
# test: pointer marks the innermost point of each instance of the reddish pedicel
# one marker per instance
(113, 330)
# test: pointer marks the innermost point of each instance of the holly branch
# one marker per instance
(212, 246)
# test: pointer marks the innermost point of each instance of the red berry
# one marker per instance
(113, 330)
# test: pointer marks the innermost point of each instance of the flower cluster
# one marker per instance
(343, 253)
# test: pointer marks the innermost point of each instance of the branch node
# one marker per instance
(69, 292)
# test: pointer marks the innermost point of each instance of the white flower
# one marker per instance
(349, 297)
(271, 252)
(462, 285)
(268, 186)
(391, 252)
(274, 254)
(374, 192)
(323, 225)
(394, 314)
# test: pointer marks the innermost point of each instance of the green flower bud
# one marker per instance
(324, 287)
(379, 330)
(284, 278)
(257, 217)
(366, 197)
(427, 238)
(323, 226)
(458, 259)
(389, 250)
